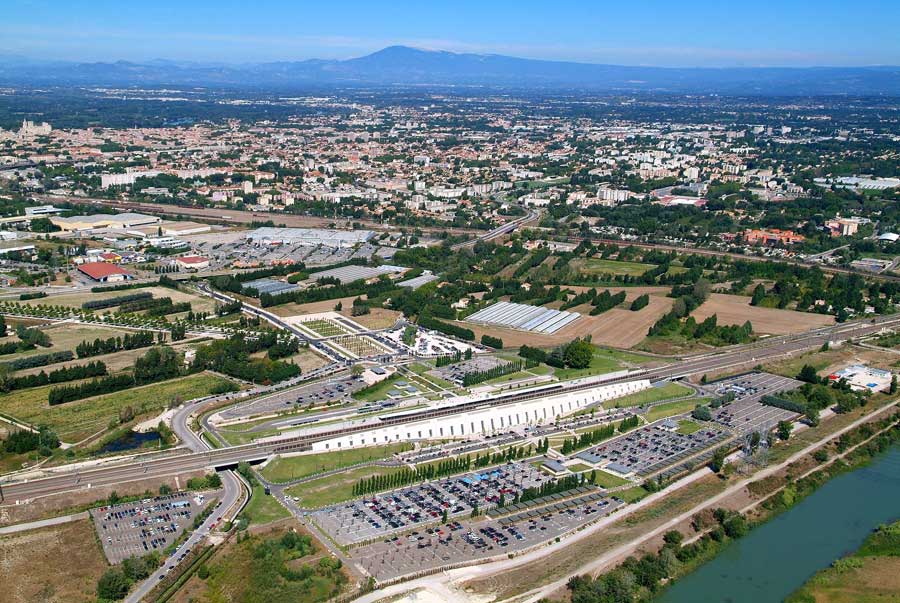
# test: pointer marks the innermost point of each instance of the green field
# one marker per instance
(646, 396)
(604, 360)
(377, 391)
(334, 488)
(607, 480)
(669, 409)
(633, 494)
(264, 508)
(284, 469)
(77, 420)
(600, 266)
(686, 427)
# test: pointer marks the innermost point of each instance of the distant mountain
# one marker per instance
(404, 66)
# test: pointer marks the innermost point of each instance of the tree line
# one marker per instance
(71, 373)
(158, 364)
(129, 341)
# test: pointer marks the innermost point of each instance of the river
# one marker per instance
(775, 559)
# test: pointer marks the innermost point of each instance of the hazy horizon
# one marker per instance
(701, 33)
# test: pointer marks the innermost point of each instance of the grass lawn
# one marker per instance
(284, 469)
(670, 408)
(377, 391)
(76, 420)
(578, 467)
(653, 394)
(334, 488)
(264, 508)
(608, 480)
(604, 361)
(686, 427)
(632, 494)
(601, 266)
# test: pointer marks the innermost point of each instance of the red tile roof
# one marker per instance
(192, 259)
(100, 270)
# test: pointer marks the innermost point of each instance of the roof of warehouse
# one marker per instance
(98, 270)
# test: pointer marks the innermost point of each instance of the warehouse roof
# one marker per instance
(100, 270)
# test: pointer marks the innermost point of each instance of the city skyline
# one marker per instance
(702, 33)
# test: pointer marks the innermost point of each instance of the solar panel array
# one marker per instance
(523, 317)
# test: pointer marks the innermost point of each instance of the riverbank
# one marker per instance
(871, 573)
(711, 532)
(638, 530)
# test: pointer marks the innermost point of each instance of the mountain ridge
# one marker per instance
(403, 65)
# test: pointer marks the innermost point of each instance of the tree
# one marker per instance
(113, 585)
(717, 462)
(673, 537)
(784, 429)
(808, 374)
(893, 388)
(357, 369)
(701, 413)
(759, 294)
(579, 354)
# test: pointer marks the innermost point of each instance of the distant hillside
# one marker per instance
(404, 66)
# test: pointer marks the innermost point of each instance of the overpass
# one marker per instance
(141, 468)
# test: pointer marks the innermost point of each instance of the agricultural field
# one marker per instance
(736, 310)
(57, 564)
(618, 327)
(116, 361)
(595, 266)
(63, 336)
(80, 419)
(74, 300)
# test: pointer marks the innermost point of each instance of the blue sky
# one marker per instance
(634, 32)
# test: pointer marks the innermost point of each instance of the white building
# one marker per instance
(486, 420)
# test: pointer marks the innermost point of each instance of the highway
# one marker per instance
(757, 352)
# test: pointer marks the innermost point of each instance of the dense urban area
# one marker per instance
(430, 345)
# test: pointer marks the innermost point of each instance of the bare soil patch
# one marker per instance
(736, 310)
(55, 564)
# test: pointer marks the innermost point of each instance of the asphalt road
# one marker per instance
(756, 352)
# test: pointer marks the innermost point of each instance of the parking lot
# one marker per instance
(407, 508)
(745, 413)
(137, 528)
(465, 540)
(651, 448)
(456, 372)
(335, 390)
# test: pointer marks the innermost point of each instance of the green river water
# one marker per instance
(776, 558)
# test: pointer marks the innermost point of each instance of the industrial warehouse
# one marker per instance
(309, 237)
